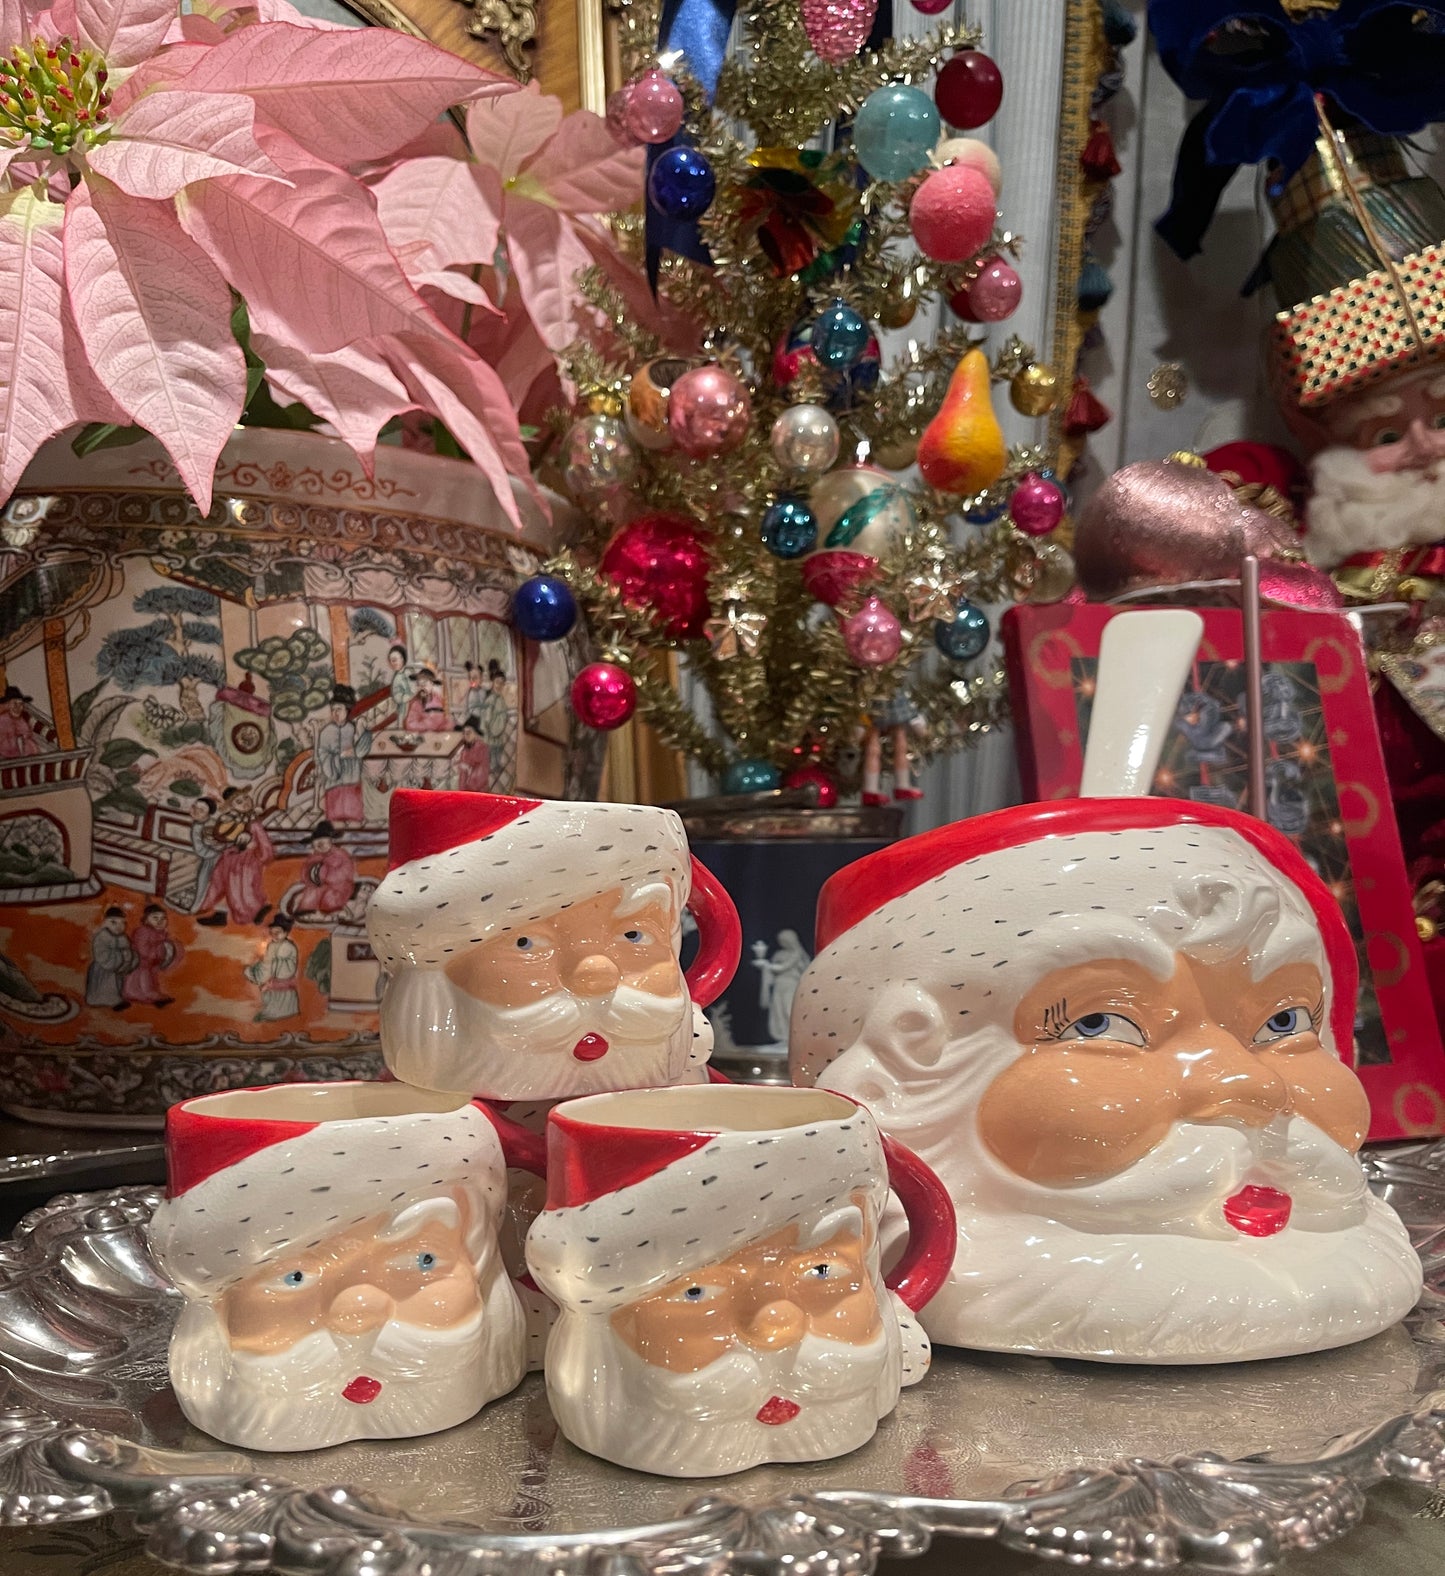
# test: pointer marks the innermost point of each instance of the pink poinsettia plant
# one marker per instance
(185, 209)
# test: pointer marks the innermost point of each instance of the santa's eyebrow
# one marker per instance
(1056, 1018)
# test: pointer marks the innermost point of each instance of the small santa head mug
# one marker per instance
(714, 1254)
(336, 1245)
(1121, 1044)
(531, 946)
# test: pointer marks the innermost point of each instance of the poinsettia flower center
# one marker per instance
(53, 96)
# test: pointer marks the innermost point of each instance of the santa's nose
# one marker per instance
(1226, 1082)
(358, 1310)
(774, 1326)
(596, 975)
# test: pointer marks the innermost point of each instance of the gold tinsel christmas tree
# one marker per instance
(745, 464)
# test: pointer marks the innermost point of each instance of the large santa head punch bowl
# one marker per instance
(1119, 1030)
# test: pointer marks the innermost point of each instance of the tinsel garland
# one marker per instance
(778, 672)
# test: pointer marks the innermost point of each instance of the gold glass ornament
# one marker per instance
(897, 453)
(900, 305)
(1034, 389)
(647, 398)
(1054, 573)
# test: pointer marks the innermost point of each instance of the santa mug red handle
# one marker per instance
(719, 937)
(932, 1227)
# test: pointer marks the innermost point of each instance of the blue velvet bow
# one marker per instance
(1379, 62)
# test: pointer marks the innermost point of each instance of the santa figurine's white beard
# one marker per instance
(1353, 509)
(1142, 1266)
(438, 1036)
(608, 1400)
(292, 1400)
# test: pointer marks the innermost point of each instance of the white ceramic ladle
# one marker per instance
(1144, 659)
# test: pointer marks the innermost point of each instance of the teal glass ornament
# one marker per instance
(840, 336)
(966, 636)
(750, 777)
(790, 528)
(896, 129)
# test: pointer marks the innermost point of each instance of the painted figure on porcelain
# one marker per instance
(1119, 1031)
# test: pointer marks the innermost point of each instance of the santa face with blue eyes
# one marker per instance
(1118, 1050)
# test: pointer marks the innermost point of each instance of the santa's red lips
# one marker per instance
(362, 1391)
(1258, 1211)
(590, 1048)
(778, 1410)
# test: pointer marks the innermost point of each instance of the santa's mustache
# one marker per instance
(1356, 509)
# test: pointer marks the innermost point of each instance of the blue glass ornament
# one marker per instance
(543, 608)
(682, 184)
(841, 387)
(840, 336)
(966, 636)
(790, 528)
(987, 511)
(750, 777)
(896, 129)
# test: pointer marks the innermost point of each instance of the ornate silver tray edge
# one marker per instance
(213, 1515)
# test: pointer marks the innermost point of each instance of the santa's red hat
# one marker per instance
(466, 867)
(631, 1208)
(247, 1187)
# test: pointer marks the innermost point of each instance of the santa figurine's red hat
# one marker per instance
(247, 1187)
(465, 867)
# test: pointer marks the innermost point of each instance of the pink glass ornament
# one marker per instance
(1037, 505)
(931, 7)
(654, 108)
(996, 293)
(603, 695)
(837, 29)
(617, 114)
(873, 634)
(709, 411)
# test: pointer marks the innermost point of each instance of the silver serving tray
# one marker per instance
(1088, 1463)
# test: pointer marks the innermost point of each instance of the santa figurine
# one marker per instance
(1119, 1031)
(531, 947)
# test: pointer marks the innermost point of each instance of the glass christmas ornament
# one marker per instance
(1034, 389)
(654, 108)
(900, 306)
(897, 454)
(931, 7)
(616, 115)
(543, 608)
(790, 528)
(648, 394)
(838, 29)
(965, 635)
(895, 130)
(873, 636)
(1037, 505)
(1055, 575)
(969, 89)
(603, 696)
(996, 293)
(840, 388)
(598, 457)
(708, 411)
(953, 213)
(840, 336)
(805, 440)
(660, 564)
(682, 184)
(813, 775)
(749, 777)
(977, 155)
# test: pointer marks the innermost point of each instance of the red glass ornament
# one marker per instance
(931, 7)
(802, 776)
(969, 89)
(660, 563)
(603, 695)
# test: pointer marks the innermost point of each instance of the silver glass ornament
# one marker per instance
(805, 440)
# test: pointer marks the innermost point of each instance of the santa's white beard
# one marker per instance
(1353, 510)
(1142, 1266)
(440, 1037)
(609, 1401)
(292, 1400)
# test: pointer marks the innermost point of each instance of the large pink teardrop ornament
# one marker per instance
(838, 29)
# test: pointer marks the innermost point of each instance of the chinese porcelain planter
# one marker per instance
(202, 723)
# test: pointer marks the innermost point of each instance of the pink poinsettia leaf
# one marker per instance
(677, 330)
(17, 22)
(126, 32)
(456, 385)
(439, 203)
(35, 398)
(311, 260)
(441, 140)
(462, 287)
(353, 390)
(155, 315)
(163, 71)
(9, 155)
(546, 257)
(349, 95)
(588, 170)
(194, 29)
(166, 140)
(506, 132)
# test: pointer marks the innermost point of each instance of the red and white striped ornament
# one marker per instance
(837, 29)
